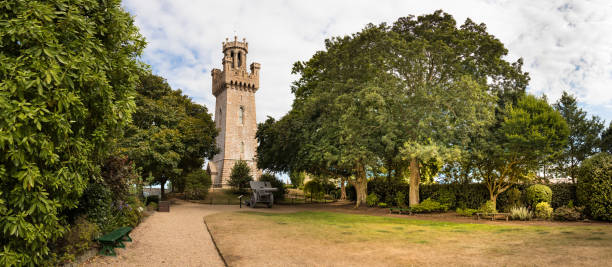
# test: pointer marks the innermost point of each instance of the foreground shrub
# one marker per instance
(466, 212)
(427, 206)
(152, 206)
(240, 176)
(538, 193)
(97, 205)
(543, 210)
(595, 186)
(563, 194)
(77, 240)
(275, 182)
(488, 207)
(382, 205)
(568, 213)
(520, 213)
(514, 198)
(197, 184)
(372, 200)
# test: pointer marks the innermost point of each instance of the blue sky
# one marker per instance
(566, 45)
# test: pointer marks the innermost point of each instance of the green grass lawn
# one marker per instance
(327, 238)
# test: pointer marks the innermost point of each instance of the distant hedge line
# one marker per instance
(463, 195)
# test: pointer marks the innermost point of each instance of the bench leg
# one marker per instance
(126, 238)
(107, 250)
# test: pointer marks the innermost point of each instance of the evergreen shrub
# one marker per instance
(538, 193)
(372, 200)
(595, 186)
(429, 205)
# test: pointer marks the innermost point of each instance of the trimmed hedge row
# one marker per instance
(464, 195)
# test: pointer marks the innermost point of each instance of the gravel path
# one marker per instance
(175, 238)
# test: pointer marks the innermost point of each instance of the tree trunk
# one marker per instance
(415, 180)
(494, 200)
(361, 188)
(163, 194)
(343, 189)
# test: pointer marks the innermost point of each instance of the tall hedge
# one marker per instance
(67, 76)
(595, 186)
(457, 195)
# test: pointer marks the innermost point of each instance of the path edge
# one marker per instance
(214, 242)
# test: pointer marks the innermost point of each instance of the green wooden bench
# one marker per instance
(400, 211)
(114, 240)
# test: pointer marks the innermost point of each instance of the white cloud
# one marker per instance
(566, 45)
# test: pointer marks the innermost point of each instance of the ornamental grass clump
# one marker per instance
(520, 213)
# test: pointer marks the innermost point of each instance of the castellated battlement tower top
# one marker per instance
(234, 73)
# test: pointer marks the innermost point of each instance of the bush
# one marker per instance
(595, 186)
(313, 187)
(520, 213)
(77, 240)
(466, 212)
(400, 199)
(197, 184)
(275, 182)
(153, 198)
(96, 204)
(562, 194)
(152, 206)
(543, 210)
(382, 205)
(428, 205)
(372, 200)
(446, 197)
(538, 193)
(488, 207)
(118, 173)
(568, 213)
(240, 176)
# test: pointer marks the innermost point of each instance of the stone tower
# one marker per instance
(234, 88)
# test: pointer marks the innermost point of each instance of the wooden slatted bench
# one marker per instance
(493, 215)
(114, 240)
(400, 211)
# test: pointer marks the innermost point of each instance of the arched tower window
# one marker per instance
(242, 147)
(241, 115)
(239, 59)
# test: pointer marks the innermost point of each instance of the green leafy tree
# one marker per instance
(584, 138)
(67, 77)
(297, 178)
(197, 184)
(530, 133)
(276, 183)
(170, 136)
(350, 119)
(606, 139)
(240, 175)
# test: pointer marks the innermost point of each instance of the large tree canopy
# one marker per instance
(583, 139)
(170, 135)
(67, 78)
(395, 96)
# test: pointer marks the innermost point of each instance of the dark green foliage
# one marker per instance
(606, 139)
(197, 184)
(118, 174)
(240, 176)
(400, 200)
(314, 188)
(297, 178)
(562, 194)
(67, 73)
(538, 193)
(372, 200)
(466, 212)
(97, 204)
(275, 182)
(567, 213)
(595, 186)
(514, 198)
(427, 206)
(153, 198)
(583, 140)
(466, 195)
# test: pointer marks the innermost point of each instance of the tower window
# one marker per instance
(239, 59)
(241, 147)
(241, 115)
